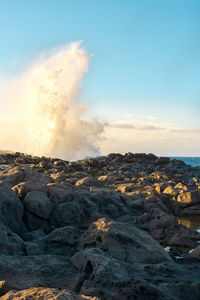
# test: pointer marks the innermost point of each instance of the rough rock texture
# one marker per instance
(123, 242)
(47, 293)
(11, 209)
(102, 228)
(39, 204)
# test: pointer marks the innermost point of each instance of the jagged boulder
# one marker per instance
(123, 242)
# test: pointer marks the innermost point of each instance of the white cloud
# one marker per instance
(136, 125)
(150, 137)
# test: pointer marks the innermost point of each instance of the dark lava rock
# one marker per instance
(98, 228)
(123, 242)
(39, 204)
(11, 209)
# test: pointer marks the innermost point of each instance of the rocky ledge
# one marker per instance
(101, 228)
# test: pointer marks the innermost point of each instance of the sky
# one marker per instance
(144, 70)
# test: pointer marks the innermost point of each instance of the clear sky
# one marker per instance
(145, 65)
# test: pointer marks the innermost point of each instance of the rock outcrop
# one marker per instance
(101, 228)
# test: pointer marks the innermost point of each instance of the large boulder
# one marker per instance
(39, 204)
(11, 209)
(123, 242)
(100, 271)
(109, 278)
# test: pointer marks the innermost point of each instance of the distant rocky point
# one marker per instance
(99, 228)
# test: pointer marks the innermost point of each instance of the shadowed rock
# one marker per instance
(99, 228)
(11, 209)
(39, 204)
(123, 242)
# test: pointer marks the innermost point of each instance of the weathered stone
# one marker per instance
(123, 242)
(98, 248)
(39, 204)
(189, 198)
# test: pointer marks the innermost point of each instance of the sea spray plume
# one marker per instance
(45, 115)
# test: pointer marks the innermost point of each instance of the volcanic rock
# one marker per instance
(39, 204)
(123, 242)
(11, 209)
(98, 228)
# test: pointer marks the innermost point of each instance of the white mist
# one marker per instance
(41, 112)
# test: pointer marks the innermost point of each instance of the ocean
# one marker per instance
(192, 161)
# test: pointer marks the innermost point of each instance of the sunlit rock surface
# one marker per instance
(98, 228)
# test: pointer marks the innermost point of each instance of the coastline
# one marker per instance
(99, 228)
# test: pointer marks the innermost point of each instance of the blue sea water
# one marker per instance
(192, 161)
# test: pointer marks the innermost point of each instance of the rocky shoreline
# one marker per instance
(98, 228)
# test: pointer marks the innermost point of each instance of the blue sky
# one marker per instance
(146, 54)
